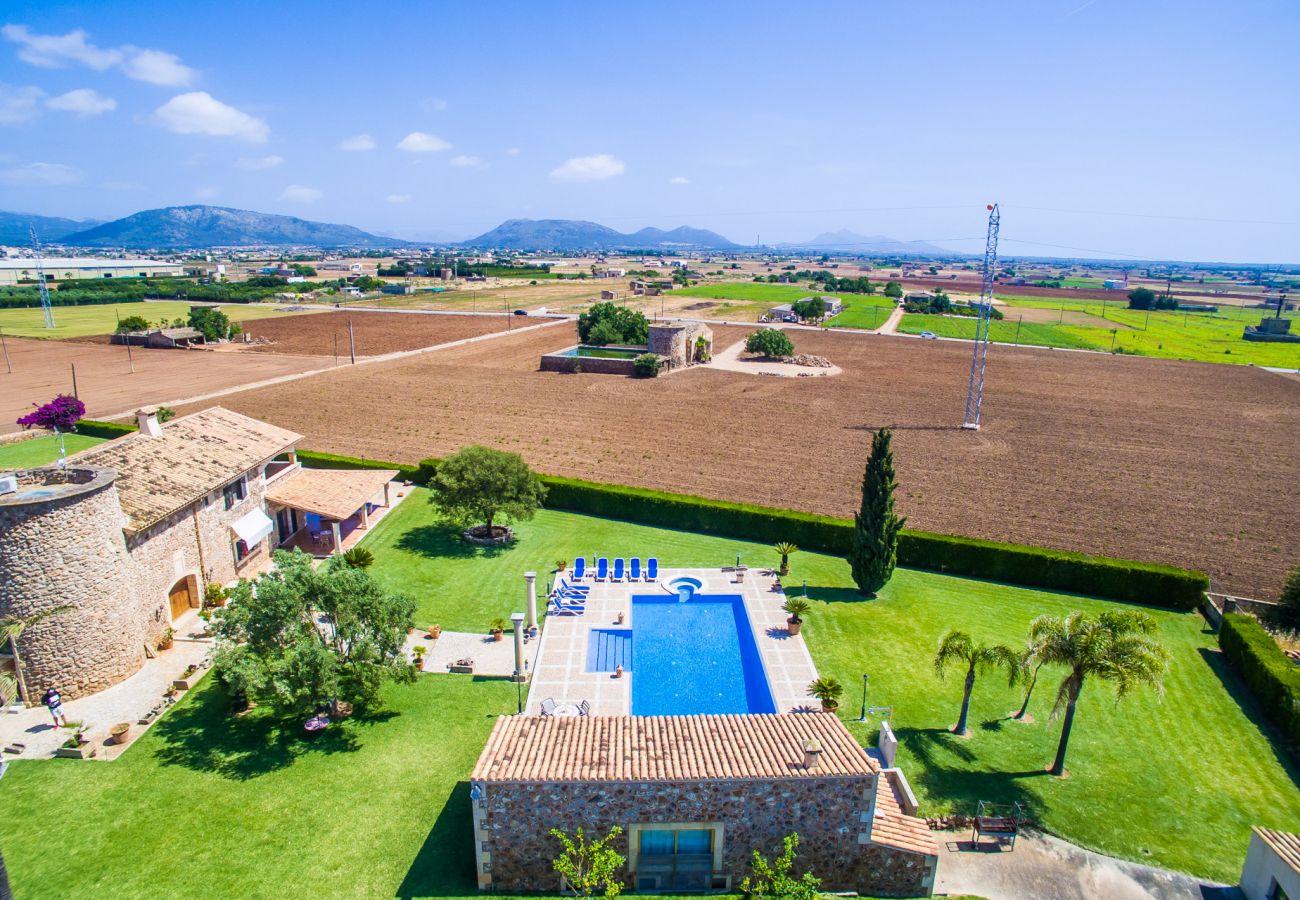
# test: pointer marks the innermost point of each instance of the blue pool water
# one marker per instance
(696, 657)
(608, 648)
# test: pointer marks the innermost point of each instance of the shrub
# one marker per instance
(481, 484)
(609, 323)
(132, 323)
(769, 342)
(63, 413)
(109, 430)
(646, 365)
(1272, 678)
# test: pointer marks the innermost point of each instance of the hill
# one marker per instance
(572, 234)
(218, 226)
(50, 229)
(845, 241)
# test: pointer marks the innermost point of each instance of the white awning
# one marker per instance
(253, 528)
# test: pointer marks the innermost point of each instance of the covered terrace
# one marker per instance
(324, 511)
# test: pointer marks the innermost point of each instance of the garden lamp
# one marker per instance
(862, 717)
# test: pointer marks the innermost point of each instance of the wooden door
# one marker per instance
(180, 597)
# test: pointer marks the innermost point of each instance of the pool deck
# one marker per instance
(561, 668)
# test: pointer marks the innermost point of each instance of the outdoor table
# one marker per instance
(566, 709)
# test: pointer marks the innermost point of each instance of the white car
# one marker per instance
(928, 336)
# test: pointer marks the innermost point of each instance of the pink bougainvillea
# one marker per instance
(63, 413)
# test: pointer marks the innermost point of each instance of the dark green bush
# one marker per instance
(1272, 678)
(646, 366)
(769, 342)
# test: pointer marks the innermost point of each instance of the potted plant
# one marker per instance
(785, 548)
(561, 565)
(419, 652)
(435, 631)
(167, 638)
(121, 732)
(828, 691)
(797, 607)
(214, 596)
(497, 628)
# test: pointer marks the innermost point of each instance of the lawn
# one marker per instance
(379, 809)
(41, 450)
(863, 312)
(81, 321)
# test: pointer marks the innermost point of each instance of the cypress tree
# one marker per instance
(874, 548)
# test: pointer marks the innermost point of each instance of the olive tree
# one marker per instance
(478, 485)
(770, 342)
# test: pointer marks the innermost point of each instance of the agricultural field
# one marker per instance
(1077, 451)
(374, 333)
(84, 321)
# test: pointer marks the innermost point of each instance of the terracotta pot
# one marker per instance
(794, 625)
(497, 635)
(419, 663)
(829, 706)
(121, 735)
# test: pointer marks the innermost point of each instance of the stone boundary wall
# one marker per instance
(831, 815)
(596, 365)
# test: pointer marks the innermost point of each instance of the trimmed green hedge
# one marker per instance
(1272, 678)
(420, 474)
(109, 430)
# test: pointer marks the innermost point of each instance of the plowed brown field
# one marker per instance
(376, 333)
(1176, 462)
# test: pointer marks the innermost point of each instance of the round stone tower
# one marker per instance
(61, 545)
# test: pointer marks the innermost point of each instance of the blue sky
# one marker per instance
(1162, 129)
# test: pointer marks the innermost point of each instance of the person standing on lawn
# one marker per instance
(53, 701)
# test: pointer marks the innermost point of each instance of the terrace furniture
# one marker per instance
(620, 566)
(652, 569)
(580, 568)
(602, 569)
(1000, 822)
(584, 708)
(635, 573)
(566, 709)
(548, 706)
(561, 608)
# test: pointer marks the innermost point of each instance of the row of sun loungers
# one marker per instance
(624, 570)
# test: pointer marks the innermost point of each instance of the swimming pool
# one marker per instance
(695, 657)
(604, 352)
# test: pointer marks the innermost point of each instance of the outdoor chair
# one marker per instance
(620, 567)
(652, 569)
(567, 608)
(580, 568)
(548, 706)
(635, 573)
(602, 569)
(584, 708)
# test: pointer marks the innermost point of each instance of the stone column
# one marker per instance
(530, 579)
(518, 620)
(338, 537)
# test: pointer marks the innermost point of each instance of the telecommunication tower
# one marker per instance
(46, 310)
(980, 353)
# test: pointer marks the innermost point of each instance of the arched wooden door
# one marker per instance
(179, 596)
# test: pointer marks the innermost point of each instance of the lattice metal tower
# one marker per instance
(980, 353)
(46, 310)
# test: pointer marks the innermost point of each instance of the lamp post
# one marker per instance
(517, 620)
(862, 717)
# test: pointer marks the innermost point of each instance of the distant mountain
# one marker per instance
(49, 229)
(845, 241)
(571, 234)
(218, 226)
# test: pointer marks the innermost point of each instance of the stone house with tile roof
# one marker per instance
(695, 796)
(1272, 867)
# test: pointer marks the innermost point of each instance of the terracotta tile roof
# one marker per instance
(1284, 844)
(667, 748)
(894, 828)
(332, 493)
(195, 455)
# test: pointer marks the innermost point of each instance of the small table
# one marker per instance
(566, 709)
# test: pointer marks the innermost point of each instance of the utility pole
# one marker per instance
(980, 352)
(1019, 322)
(74, 380)
(352, 344)
(3, 346)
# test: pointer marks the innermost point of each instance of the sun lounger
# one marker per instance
(620, 566)
(652, 569)
(602, 569)
(580, 568)
(561, 607)
(571, 599)
(635, 573)
(548, 706)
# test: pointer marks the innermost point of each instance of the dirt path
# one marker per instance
(890, 325)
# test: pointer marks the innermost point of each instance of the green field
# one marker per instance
(863, 312)
(1167, 334)
(80, 321)
(379, 808)
(771, 294)
(41, 450)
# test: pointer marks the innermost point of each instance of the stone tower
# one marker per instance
(61, 544)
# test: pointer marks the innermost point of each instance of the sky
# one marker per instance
(1118, 128)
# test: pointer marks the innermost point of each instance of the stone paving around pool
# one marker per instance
(560, 671)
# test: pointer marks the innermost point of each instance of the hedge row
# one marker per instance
(23, 301)
(1272, 678)
(1098, 576)
(108, 430)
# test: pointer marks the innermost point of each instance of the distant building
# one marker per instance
(611, 273)
(1114, 284)
(609, 295)
(397, 289)
(22, 270)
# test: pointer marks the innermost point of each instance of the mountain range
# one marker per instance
(572, 234)
(845, 241)
(49, 229)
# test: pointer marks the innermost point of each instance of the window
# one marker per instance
(241, 551)
(677, 856)
(235, 492)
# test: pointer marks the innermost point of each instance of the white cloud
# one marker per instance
(205, 193)
(53, 51)
(513, 151)
(255, 164)
(83, 102)
(298, 193)
(41, 175)
(18, 104)
(158, 67)
(419, 142)
(198, 112)
(597, 167)
(679, 179)
(357, 143)
(434, 104)
(466, 162)
(398, 198)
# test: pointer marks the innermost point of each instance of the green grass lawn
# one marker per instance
(243, 808)
(80, 321)
(41, 450)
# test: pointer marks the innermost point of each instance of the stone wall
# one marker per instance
(69, 550)
(594, 365)
(676, 340)
(512, 820)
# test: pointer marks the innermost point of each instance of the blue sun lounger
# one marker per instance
(561, 607)
(620, 566)
(580, 568)
(635, 573)
(571, 590)
(652, 569)
(602, 569)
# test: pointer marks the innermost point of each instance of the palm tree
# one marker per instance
(1030, 657)
(958, 646)
(1114, 646)
(359, 558)
(785, 548)
(11, 628)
